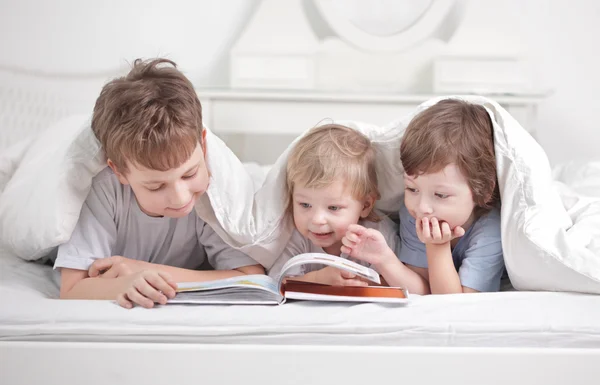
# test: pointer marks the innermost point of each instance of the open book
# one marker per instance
(262, 289)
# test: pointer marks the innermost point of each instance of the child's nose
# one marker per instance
(180, 196)
(318, 218)
(425, 207)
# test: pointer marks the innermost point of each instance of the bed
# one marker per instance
(510, 336)
(538, 337)
(519, 336)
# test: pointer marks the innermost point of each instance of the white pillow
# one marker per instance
(10, 160)
(41, 201)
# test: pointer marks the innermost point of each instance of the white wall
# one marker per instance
(194, 33)
(34, 34)
(55, 55)
(563, 36)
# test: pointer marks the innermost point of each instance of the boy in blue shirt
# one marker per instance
(450, 221)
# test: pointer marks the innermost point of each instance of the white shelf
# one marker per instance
(240, 114)
(350, 97)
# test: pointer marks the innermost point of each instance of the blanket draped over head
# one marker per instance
(550, 221)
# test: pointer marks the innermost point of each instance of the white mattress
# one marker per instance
(30, 312)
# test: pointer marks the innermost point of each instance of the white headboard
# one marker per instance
(32, 100)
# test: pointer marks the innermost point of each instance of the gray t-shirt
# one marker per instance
(477, 256)
(299, 245)
(112, 223)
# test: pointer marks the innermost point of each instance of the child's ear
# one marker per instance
(367, 206)
(203, 144)
(118, 173)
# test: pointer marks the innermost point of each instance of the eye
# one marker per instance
(304, 205)
(155, 188)
(441, 196)
(334, 208)
(412, 190)
(190, 176)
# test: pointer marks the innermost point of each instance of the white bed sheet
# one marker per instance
(29, 312)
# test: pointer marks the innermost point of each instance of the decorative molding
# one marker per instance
(276, 50)
(425, 26)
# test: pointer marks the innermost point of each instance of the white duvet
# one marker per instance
(550, 222)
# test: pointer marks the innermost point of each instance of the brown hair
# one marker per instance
(454, 131)
(331, 152)
(151, 117)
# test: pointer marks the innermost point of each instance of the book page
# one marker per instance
(256, 281)
(330, 260)
(245, 289)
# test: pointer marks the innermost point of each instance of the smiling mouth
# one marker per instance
(322, 235)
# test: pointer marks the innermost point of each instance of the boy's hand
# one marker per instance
(432, 231)
(333, 276)
(145, 288)
(115, 266)
(368, 245)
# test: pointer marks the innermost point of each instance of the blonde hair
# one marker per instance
(332, 152)
(151, 117)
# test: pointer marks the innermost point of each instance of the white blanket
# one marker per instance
(550, 229)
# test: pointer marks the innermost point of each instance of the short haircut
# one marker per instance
(454, 131)
(151, 117)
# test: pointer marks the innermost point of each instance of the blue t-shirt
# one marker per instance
(477, 256)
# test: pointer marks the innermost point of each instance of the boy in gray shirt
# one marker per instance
(138, 233)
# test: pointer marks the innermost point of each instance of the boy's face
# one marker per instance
(444, 195)
(323, 215)
(170, 193)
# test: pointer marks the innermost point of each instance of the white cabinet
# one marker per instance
(242, 117)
